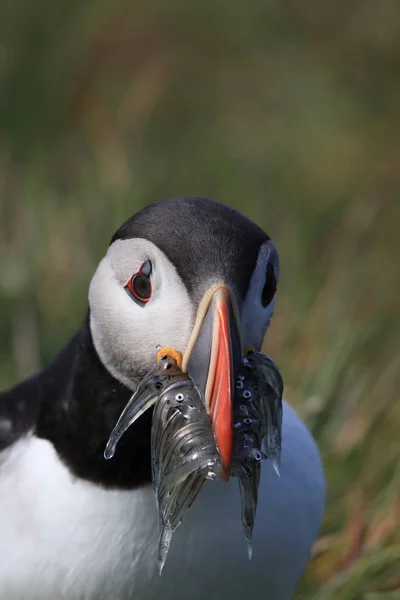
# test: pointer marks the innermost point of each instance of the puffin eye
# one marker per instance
(269, 288)
(139, 285)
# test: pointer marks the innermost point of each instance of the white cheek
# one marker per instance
(255, 320)
(110, 322)
(126, 335)
(166, 320)
(256, 317)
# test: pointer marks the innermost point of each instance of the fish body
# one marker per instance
(257, 430)
(270, 391)
(183, 447)
(184, 452)
(151, 386)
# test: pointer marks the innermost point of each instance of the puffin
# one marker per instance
(74, 526)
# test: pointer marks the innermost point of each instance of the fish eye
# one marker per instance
(179, 397)
(270, 286)
(139, 285)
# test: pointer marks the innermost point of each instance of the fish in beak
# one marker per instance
(213, 359)
(196, 397)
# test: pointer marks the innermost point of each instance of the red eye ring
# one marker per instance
(139, 287)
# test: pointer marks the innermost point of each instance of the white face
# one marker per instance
(127, 334)
(259, 303)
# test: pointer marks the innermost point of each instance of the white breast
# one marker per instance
(61, 537)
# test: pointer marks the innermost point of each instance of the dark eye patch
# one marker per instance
(270, 286)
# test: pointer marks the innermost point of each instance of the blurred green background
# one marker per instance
(288, 110)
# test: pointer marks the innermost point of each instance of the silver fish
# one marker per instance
(257, 424)
(183, 448)
(165, 372)
(270, 385)
(184, 454)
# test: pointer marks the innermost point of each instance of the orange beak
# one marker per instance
(212, 359)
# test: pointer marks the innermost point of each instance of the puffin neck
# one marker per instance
(80, 404)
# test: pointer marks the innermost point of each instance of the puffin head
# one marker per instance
(192, 275)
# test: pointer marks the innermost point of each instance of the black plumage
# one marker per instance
(75, 402)
(200, 237)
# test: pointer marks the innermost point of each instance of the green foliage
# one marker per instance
(290, 112)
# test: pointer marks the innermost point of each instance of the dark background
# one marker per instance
(287, 110)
